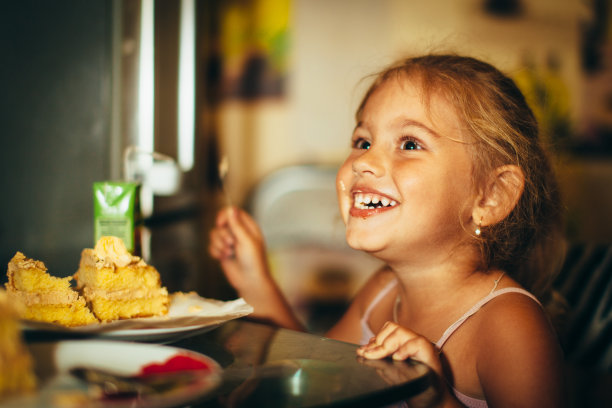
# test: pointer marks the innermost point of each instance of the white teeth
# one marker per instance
(370, 201)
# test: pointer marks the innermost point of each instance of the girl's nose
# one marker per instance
(370, 162)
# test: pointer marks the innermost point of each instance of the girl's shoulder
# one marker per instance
(510, 303)
(514, 339)
(512, 314)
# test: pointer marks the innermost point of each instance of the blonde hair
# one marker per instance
(501, 129)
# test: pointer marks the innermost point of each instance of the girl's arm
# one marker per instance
(237, 242)
(347, 329)
(518, 359)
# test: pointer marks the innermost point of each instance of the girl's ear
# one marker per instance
(500, 195)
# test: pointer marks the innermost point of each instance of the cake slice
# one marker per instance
(118, 285)
(16, 375)
(45, 298)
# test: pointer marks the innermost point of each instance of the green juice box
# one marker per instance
(117, 212)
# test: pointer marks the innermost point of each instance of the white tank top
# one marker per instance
(367, 334)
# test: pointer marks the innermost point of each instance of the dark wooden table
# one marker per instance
(269, 367)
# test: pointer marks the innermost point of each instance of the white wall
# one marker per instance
(337, 44)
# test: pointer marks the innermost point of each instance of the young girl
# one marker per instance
(448, 184)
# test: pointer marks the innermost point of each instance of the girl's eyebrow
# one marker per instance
(407, 123)
(414, 123)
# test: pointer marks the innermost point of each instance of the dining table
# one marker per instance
(262, 365)
(268, 366)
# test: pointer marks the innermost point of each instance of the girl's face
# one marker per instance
(406, 188)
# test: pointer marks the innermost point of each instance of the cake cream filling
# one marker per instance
(124, 294)
(110, 263)
(89, 258)
(367, 201)
(20, 261)
(51, 298)
(111, 250)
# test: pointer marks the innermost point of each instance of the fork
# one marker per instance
(223, 170)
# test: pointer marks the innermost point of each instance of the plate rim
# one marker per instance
(160, 353)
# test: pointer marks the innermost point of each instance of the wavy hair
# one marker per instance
(501, 129)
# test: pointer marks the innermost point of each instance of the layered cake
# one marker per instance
(16, 375)
(118, 285)
(45, 298)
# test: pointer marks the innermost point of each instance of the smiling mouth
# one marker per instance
(369, 201)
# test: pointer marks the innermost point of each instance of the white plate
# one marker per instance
(188, 312)
(58, 388)
(155, 334)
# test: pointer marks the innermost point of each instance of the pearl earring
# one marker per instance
(478, 231)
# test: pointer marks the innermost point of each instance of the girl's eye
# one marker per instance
(410, 144)
(361, 144)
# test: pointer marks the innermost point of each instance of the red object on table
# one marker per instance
(178, 362)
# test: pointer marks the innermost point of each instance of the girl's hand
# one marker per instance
(401, 343)
(237, 242)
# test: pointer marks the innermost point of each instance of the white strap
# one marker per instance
(378, 298)
(451, 329)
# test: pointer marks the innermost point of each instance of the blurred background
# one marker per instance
(272, 86)
(90, 89)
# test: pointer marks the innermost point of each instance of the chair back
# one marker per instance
(586, 283)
